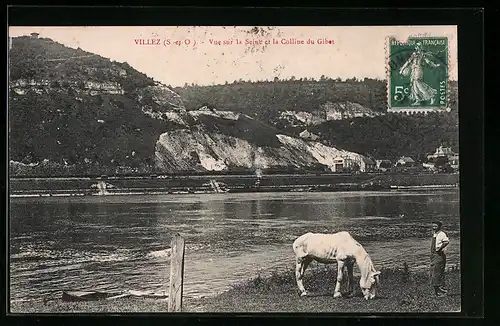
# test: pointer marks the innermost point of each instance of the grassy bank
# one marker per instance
(401, 291)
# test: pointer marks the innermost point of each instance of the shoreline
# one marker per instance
(29, 194)
(402, 290)
(213, 184)
(195, 283)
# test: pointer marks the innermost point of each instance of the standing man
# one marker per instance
(438, 258)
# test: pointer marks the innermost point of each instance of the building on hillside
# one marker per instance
(447, 154)
(308, 135)
(440, 152)
(347, 164)
(342, 164)
(383, 165)
(405, 161)
(35, 35)
(366, 164)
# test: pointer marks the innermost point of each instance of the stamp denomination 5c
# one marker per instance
(418, 74)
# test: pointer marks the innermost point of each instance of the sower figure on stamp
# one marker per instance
(438, 258)
(420, 91)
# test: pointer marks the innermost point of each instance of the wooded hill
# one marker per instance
(53, 116)
(265, 99)
(393, 135)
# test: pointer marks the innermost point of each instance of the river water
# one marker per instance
(120, 243)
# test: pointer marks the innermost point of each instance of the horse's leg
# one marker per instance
(299, 273)
(305, 264)
(350, 277)
(340, 274)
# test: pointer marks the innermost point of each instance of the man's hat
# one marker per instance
(439, 223)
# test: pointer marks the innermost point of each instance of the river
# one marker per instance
(120, 243)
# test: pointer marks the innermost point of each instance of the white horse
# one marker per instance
(337, 247)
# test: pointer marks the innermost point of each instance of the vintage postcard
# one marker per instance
(234, 169)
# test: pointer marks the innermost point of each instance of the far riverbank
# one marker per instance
(178, 184)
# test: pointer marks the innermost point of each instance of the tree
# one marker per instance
(440, 161)
(55, 84)
(421, 157)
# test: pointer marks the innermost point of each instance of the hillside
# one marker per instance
(266, 99)
(392, 135)
(349, 114)
(72, 107)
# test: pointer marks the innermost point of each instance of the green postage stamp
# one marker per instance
(418, 74)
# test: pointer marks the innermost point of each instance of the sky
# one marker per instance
(356, 51)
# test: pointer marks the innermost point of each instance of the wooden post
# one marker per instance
(176, 274)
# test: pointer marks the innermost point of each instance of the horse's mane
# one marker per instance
(367, 261)
(365, 264)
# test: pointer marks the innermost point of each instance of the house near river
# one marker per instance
(349, 164)
(406, 161)
(443, 156)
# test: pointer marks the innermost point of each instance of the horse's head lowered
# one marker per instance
(369, 284)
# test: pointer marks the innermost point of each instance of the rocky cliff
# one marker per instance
(221, 140)
(327, 111)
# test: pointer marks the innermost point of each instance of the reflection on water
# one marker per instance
(119, 243)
